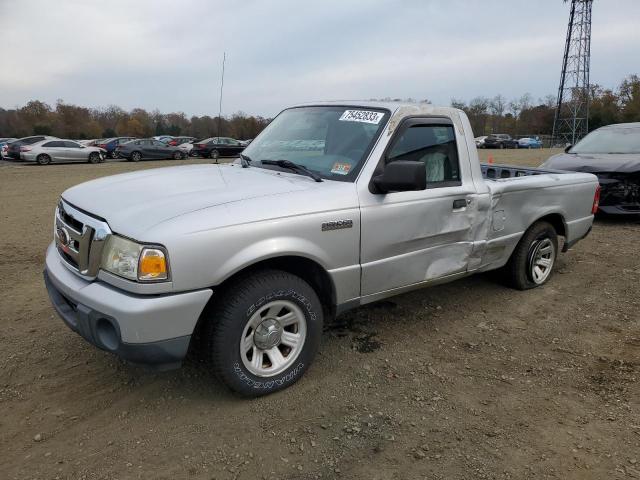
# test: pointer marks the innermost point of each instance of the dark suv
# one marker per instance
(500, 140)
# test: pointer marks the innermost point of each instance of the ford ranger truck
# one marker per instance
(332, 206)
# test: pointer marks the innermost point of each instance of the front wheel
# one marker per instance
(533, 259)
(263, 333)
(177, 156)
(214, 155)
(94, 157)
(136, 156)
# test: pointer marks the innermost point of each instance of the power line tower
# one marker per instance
(571, 121)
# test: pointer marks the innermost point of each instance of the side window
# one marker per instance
(52, 144)
(435, 145)
(68, 144)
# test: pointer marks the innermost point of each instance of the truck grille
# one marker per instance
(80, 239)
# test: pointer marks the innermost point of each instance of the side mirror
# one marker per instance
(402, 176)
(567, 148)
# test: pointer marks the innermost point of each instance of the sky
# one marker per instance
(167, 55)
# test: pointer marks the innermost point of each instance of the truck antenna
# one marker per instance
(224, 57)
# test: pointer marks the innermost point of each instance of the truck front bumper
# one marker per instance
(153, 330)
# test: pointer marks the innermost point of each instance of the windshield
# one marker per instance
(610, 140)
(331, 141)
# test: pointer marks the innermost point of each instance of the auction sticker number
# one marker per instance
(365, 116)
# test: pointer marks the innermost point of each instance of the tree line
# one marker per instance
(521, 116)
(72, 121)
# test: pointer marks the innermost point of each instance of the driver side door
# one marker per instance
(415, 237)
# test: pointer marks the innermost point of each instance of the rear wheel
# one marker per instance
(533, 259)
(265, 332)
(94, 157)
(43, 159)
(136, 156)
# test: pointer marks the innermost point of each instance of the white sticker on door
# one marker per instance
(365, 116)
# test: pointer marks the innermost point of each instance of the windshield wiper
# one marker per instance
(296, 167)
(245, 160)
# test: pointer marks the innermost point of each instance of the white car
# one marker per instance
(480, 141)
(186, 148)
(60, 150)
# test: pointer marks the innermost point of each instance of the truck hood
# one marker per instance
(594, 163)
(133, 203)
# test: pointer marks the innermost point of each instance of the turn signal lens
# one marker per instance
(152, 265)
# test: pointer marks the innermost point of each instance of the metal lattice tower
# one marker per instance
(571, 121)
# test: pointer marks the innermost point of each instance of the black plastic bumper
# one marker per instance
(103, 332)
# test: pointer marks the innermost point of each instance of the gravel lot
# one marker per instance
(461, 381)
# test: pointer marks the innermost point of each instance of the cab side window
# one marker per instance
(435, 145)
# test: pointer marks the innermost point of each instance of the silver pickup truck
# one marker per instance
(332, 206)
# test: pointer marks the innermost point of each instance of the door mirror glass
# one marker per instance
(402, 176)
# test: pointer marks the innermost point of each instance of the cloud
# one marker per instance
(167, 55)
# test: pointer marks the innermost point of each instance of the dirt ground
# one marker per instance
(469, 380)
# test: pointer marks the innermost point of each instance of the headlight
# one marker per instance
(133, 261)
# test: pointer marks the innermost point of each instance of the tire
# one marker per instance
(114, 155)
(43, 159)
(177, 156)
(94, 157)
(136, 156)
(538, 248)
(502, 146)
(214, 154)
(258, 303)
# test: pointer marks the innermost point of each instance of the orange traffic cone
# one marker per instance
(490, 158)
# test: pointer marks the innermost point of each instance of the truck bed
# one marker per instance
(492, 171)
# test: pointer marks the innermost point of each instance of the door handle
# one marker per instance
(459, 203)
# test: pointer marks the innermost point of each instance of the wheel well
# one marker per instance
(556, 221)
(310, 271)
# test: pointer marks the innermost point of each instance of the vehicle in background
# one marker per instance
(111, 144)
(163, 138)
(246, 142)
(176, 141)
(187, 148)
(216, 147)
(147, 149)
(530, 142)
(500, 140)
(252, 258)
(15, 147)
(4, 146)
(612, 153)
(57, 150)
(480, 141)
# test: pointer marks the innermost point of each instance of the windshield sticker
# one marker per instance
(364, 116)
(341, 168)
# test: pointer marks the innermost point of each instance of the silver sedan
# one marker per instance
(48, 151)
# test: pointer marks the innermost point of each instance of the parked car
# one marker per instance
(613, 154)
(163, 138)
(480, 141)
(4, 146)
(15, 147)
(147, 149)
(176, 141)
(187, 148)
(246, 142)
(56, 150)
(218, 147)
(111, 144)
(258, 255)
(530, 142)
(500, 140)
